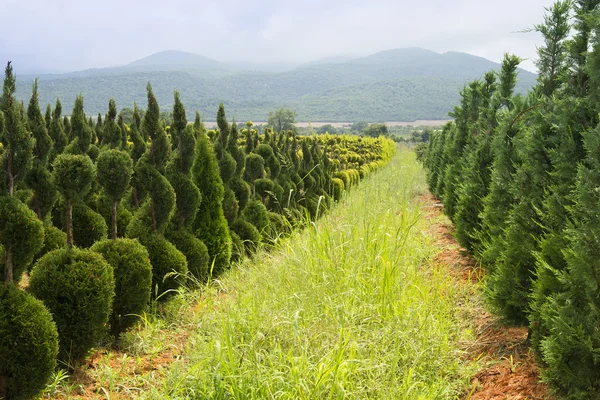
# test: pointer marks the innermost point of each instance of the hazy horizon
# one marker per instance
(66, 35)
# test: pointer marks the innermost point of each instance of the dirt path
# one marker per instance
(509, 369)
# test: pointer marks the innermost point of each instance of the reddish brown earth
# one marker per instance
(510, 371)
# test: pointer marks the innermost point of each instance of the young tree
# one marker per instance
(210, 224)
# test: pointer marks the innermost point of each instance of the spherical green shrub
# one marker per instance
(88, 226)
(194, 250)
(78, 287)
(255, 167)
(133, 280)
(54, 239)
(169, 265)
(256, 213)
(28, 343)
(20, 231)
(248, 234)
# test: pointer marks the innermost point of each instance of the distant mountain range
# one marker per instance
(394, 85)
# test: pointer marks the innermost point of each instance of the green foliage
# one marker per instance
(111, 134)
(21, 236)
(28, 344)
(81, 132)
(210, 224)
(194, 250)
(114, 170)
(78, 287)
(18, 147)
(169, 265)
(282, 120)
(88, 226)
(133, 280)
(54, 239)
(375, 130)
(338, 188)
(257, 214)
(73, 175)
(248, 234)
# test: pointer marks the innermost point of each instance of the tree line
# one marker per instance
(105, 216)
(519, 175)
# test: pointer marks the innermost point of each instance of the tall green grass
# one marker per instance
(350, 307)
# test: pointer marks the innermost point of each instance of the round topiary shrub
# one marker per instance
(28, 344)
(78, 287)
(21, 233)
(256, 213)
(133, 280)
(169, 265)
(54, 239)
(248, 234)
(194, 250)
(89, 227)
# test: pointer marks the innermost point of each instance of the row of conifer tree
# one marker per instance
(106, 216)
(519, 175)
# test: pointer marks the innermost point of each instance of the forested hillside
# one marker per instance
(519, 175)
(403, 84)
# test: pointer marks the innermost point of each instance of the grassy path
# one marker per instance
(345, 309)
(354, 307)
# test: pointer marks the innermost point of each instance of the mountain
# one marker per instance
(401, 84)
(174, 59)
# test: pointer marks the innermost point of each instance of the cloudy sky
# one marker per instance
(77, 34)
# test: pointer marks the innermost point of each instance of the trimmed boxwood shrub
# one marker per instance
(194, 250)
(89, 227)
(54, 239)
(248, 234)
(257, 214)
(28, 343)
(169, 265)
(20, 232)
(133, 280)
(78, 287)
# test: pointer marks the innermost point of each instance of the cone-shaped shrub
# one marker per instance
(28, 344)
(210, 224)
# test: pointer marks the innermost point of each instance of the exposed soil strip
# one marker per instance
(509, 369)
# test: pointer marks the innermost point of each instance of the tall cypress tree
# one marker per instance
(210, 224)
(152, 217)
(187, 194)
(39, 179)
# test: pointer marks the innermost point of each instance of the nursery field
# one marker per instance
(355, 305)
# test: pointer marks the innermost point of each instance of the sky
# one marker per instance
(68, 35)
